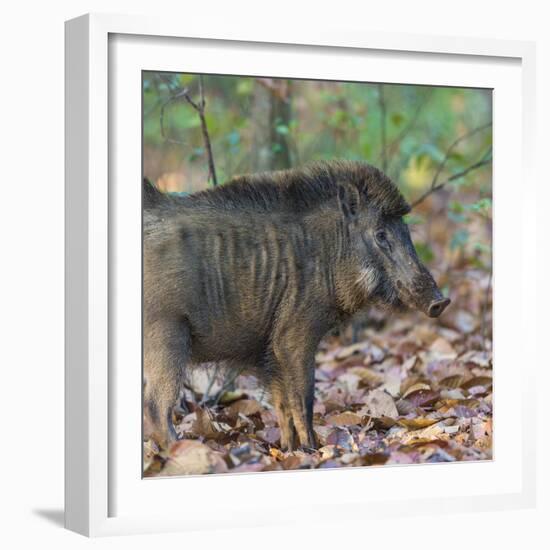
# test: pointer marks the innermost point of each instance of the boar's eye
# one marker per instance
(381, 238)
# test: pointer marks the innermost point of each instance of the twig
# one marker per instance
(200, 109)
(455, 176)
(205, 135)
(435, 186)
(382, 103)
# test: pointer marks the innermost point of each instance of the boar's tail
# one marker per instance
(151, 195)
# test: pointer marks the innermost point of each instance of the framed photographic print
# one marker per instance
(287, 274)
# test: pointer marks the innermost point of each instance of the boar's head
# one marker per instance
(390, 272)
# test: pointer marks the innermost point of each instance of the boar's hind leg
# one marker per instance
(166, 348)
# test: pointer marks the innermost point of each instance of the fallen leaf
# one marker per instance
(246, 407)
(350, 350)
(484, 381)
(190, 457)
(270, 435)
(480, 358)
(392, 383)
(452, 394)
(431, 432)
(231, 396)
(464, 322)
(451, 429)
(368, 376)
(384, 422)
(452, 382)
(442, 349)
(342, 438)
(329, 451)
(291, 462)
(203, 425)
(380, 403)
(423, 398)
(417, 423)
(344, 419)
(276, 453)
(416, 387)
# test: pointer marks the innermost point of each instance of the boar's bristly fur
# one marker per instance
(253, 273)
(303, 189)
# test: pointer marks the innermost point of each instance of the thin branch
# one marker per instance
(382, 103)
(199, 107)
(455, 176)
(435, 186)
(453, 145)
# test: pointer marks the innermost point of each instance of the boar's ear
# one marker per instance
(349, 201)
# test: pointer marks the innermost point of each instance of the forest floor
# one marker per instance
(412, 390)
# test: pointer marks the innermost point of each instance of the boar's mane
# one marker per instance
(302, 189)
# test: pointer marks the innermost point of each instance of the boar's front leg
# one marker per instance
(166, 349)
(284, 415)
(296, 360)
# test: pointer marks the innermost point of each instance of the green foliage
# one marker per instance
(414, 219)
(460, 239)
(425, 252)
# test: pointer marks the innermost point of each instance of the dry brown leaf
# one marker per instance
(379, 404)
(347, 351)
(203, 425)
(384, 422)
(276, 453)
(329, 451)
(423, 398)
(231, 396)
(452, 394)
(344, 419)
(292, 462)
(417, 423)
(442, 349)
(480, 358)
(464, 322)
(416, 387)
(245, 407)
(369, 376)
(436, 431)
(484, 381)
(270, 435)
(452, 382)
(192, 458)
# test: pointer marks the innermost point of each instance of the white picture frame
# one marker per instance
(105, 493)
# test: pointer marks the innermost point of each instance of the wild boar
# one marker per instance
(256, 271)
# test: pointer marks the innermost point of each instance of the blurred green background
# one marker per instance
(419, 135)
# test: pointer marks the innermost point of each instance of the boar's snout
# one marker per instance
(437, 307)
(423, 294)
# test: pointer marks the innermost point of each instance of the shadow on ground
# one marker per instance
(57, 517)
